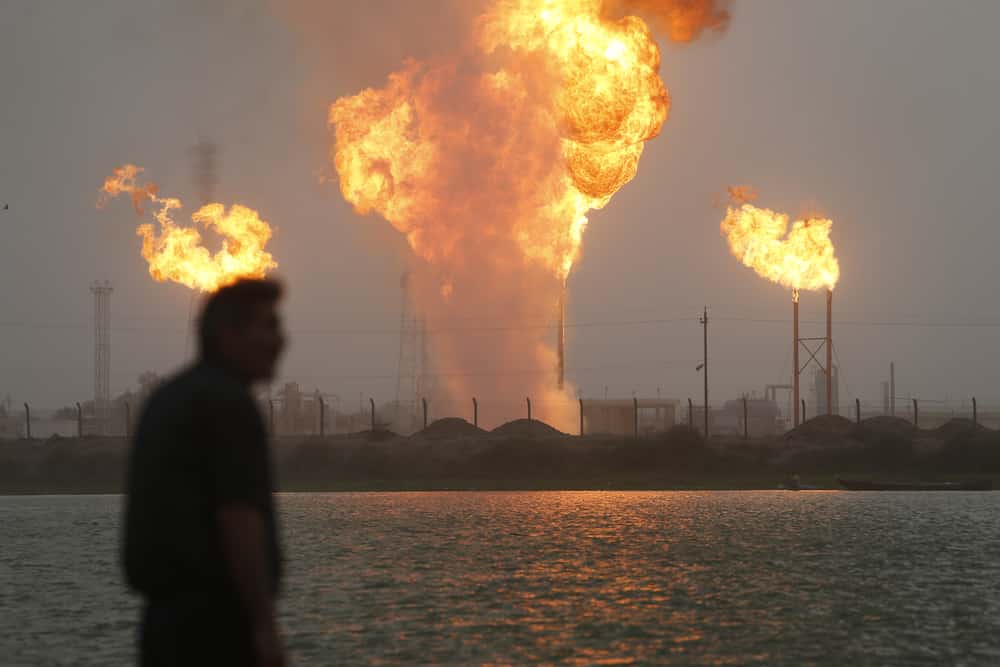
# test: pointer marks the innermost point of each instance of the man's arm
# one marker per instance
(243, 535)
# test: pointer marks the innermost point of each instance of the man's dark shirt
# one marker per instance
(200, 445)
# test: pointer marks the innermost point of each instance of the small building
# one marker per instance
(618, 416)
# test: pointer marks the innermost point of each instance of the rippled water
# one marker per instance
(573, 578)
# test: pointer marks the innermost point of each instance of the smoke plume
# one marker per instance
(488, 160)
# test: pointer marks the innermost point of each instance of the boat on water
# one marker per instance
(958, 485)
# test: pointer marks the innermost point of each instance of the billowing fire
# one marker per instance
(176, 253)
(488, 161)
(800, 258)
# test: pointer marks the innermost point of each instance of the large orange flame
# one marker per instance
(488, 161)
(802, 259)
(682, 20)
(176, 253)
(578, 115)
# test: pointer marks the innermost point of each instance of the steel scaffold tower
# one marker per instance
(411, 378)
(102, 352)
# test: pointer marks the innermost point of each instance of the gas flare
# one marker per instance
(802, 259)
(488, 161)
(683, 20)
(176, 253)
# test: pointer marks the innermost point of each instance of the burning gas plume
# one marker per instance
(488, 161)
(682, 20)
(176, 253)
(800, 258)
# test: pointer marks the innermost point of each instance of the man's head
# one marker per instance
(239, 328)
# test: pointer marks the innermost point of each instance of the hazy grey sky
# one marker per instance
(882, 114)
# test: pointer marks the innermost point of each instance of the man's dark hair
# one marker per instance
(232, 306)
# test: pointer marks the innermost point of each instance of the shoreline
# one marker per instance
(680, 460)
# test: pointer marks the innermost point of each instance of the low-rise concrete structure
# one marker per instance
(619, 416)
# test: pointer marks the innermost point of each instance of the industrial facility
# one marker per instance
(628, 417)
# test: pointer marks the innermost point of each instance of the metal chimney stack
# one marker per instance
(795, 356)
(561, 340)
(829, 352)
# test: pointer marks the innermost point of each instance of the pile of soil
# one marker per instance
(378, 435)
(954, 428)
(884, 425)
(449, 428)
(526, 428)
(823, 428)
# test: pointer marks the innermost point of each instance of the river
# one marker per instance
(578, 578)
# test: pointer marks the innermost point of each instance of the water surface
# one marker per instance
(568, 577)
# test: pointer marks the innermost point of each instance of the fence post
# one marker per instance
(690, 414)
(975, 412)
(79, 420)
(424, 401)
(322, 417)
(128, 420)
(916, 414)
(635, 415)
(581, 417)
(372, 401)
(270, 414)
(27, 420)
(803, 410)
(528, 399)
(746, 422)
(475, 412)
(857, 410)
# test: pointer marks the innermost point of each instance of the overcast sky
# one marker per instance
(881, 114)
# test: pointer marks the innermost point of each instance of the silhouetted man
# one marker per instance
(200, 539)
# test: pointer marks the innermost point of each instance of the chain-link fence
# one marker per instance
(317, 414)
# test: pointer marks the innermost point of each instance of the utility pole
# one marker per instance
(892, 388)
(704, 325)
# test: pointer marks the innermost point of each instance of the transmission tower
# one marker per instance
(409, 357)
(102, 352)
(205, 164)
(204, 156)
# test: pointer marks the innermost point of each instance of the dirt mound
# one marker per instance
(885, 425)
(378, 435)
(526, 428)
(958, 427)
(450, 427)
(823, 427)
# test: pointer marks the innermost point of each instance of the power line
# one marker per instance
(869, 323)
(527, 327)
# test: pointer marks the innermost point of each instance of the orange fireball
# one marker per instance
(488, 161)
(176, 253)
(800, 258)
(582, 95)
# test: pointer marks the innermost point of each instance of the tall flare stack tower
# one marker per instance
(813, 350)
(799, 255)
(561, 341)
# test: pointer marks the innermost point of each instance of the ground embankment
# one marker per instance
(454, 456)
